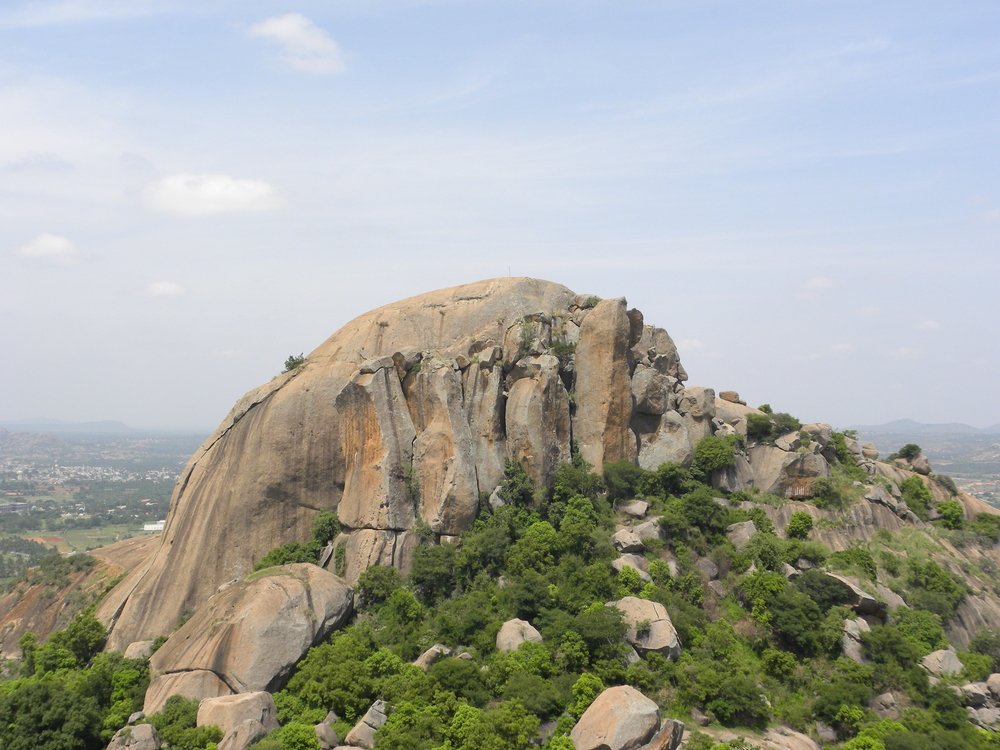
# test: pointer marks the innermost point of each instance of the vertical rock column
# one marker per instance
(603, 388)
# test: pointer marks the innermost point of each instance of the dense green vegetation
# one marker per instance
(759, 647)
(767, 652)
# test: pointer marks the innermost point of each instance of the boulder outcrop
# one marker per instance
(275, 616)
(649, 626)
(515, 632)
(621, 718)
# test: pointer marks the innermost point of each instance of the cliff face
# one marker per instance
(405, 415)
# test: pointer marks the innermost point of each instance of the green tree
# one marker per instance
(713, 452)
(800, 523)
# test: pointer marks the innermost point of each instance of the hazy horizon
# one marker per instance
(804, 195)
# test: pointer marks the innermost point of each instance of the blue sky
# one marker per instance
(805, 194)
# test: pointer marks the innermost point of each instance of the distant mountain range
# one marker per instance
(911, 427)
(102, 427)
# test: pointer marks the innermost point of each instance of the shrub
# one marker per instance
(931, 587)
(294, 361)
(952, 514)
(909, 451)
(799, 525)
(516, 487)
(759, 427)
(175, 724)
(622, 479)
(916, 495)
(713, 453)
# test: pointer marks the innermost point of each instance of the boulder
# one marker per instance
(663, 440)
(652, 390)
(515, 632)
(921, 465)
(326, 736)
(275, 616)
(821, 432)
(648, 530)
(626, 540)
(196, 684)
(140, 737)
(869, 451)
(669, 737)
(785, 738)
(740, 533)
(858, 599)
(942, 662)
(789, 441)
(229, 711)
(732, 397)
(635, 509)
(707, 568)
(431, 655)
(786, 474)
(993, 684)
(636, 562)
(621, 718)
(649, 626)
(850, 641)
(885, 705)
(976, 694)
(363, 733)
(603, 387)
(987, 717)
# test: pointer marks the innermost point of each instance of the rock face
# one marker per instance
(274, 616)
(406, 416)
(621, 718)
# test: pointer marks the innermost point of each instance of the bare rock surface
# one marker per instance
(229, 711)
(621, 718)
(649, 626)
(140, 737)
(339, 433)
(603, 388)
(195, 683)
(942, 662)
(363, 733)
(247, 637)
(515, 632)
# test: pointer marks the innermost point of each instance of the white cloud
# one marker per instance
(206, 194)
(75, 11)
(841, 348)
(928, 325)
(814, 286)
(306, 46)
(164, 289)
(49, 247)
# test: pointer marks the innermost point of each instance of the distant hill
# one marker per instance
(104, 427)
(911, 427)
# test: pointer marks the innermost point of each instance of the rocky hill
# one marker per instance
(512, 451)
